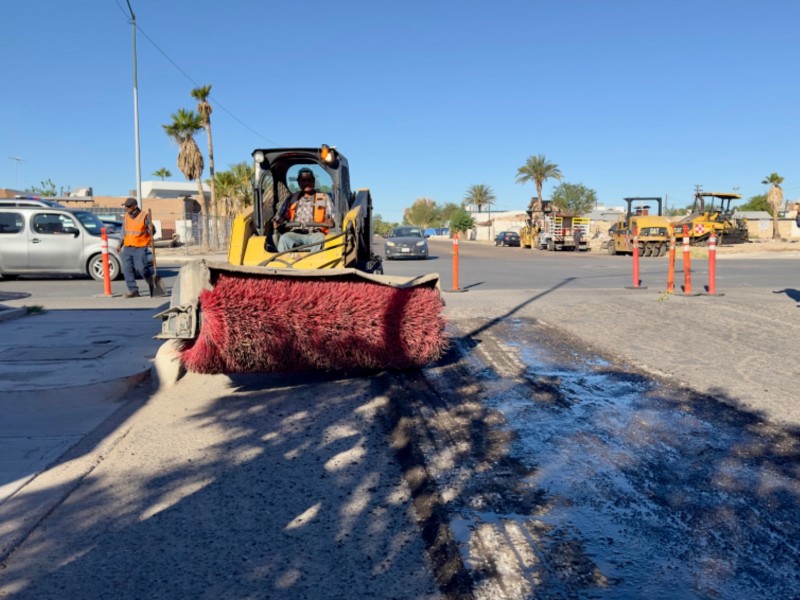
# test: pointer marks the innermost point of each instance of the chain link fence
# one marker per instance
(180, 228)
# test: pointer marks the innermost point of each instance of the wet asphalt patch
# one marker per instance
(563, 473)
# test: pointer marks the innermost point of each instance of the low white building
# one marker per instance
(171, 189)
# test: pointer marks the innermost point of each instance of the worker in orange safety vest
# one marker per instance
(138, 232)
(307, 215)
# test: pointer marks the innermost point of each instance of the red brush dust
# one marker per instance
(253, 325)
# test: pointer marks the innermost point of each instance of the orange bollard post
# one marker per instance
(635, 252)
(687, 268)
(455, 263)
(671, 271)
(106, 269)
(712, 265)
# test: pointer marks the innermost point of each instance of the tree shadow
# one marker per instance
(568, 473)
(278, 489)
(792, 293)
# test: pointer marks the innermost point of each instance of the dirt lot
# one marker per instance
(752, 247)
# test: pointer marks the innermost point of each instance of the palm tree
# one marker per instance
(480, 195)
(163, 173)
(775, 199)
(243, 172)
(204, 109)
(227, 187)
(538, 170)
(185, 123)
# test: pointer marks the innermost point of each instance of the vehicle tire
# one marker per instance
(551, 245)
(647, 250)
(662, 250)
(610, 248)
(95, 268)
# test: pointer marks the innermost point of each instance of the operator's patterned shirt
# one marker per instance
(305, 209)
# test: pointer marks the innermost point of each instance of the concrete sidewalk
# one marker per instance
(69, 367)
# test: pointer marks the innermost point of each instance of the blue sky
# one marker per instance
(425, 98)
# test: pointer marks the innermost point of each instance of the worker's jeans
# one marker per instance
(134, 260)
(290, 239)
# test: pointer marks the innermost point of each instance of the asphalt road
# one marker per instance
(486, 267)
(272, 487)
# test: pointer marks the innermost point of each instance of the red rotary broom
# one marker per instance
(270, 324)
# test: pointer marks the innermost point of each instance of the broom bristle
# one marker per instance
(253, 325)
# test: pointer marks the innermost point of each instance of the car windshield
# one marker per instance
(92, 224)
(406, 232)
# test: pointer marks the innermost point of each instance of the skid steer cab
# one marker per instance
(256, 237)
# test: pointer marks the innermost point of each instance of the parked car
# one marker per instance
(406, 242)
(111, 225)
(30, 202)
(54, 240)
(507, 238)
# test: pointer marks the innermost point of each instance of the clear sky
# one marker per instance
(425, 97)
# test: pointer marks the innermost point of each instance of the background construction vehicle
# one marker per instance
(327, 308)
(550, 230)
(558, 232)
(654, 231)
(712, 213)
(529, 234)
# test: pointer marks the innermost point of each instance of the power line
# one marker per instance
(188, 77)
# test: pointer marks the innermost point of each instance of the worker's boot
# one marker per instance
(133, 294)
(151, 285)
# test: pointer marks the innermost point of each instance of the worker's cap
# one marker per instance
(130, 202)
(305, 172)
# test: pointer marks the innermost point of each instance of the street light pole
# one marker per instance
(136, 113)
(16, 170)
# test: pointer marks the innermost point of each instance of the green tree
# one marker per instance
(758, 202)
(480, 195)
(381, 227)
(422, 213)
(461, 221)
(185, 123)
(45, 188)
(163, 173)
(447, 212)
(204, 110)
(775, 199)
(574, 198)
(538, 170)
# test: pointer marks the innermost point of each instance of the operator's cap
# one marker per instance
(305, 171)
(130, 202)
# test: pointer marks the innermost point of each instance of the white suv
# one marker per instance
(46, 239)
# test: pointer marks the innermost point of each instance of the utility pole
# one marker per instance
(136, 112)
(16, 170)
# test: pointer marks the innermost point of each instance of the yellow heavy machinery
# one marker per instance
(653, 230)
(324, 306)
(712, 213)
(529, 233)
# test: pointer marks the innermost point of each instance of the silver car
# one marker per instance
(406, 242)
(54, 240)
